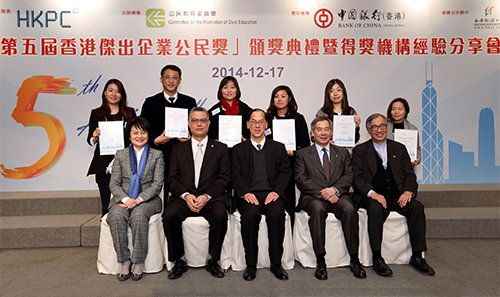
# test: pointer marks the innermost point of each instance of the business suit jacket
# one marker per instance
(365, 167)
(152, 178)
(311, 179)
(277, 167)
(153, 110)
(99, 163)
(215, 173)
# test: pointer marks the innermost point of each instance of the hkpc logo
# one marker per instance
(155, 18)
(323, 18)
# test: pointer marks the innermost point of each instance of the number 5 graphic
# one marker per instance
(25, 115)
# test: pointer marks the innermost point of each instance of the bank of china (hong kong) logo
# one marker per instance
(155, 18)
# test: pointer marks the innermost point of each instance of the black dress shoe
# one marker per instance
(357, 270)
(321, 272)
(178, 270)
(421, 265)
(136, 277)
(123, 277)
(214, 268)
(250, 273)
(381, 268)
(279, 272)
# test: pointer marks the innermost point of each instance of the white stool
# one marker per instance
(238, 251)
(335, 246)
(195, 235)
(106, 255)
(396, 247)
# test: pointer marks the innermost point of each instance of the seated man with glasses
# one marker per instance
(261, 172)
(199, 175)
(384, 181)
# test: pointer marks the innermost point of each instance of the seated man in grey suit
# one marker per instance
(136, 182)
(384, 181)
(261, 172)
(323, 174)
(198, 177)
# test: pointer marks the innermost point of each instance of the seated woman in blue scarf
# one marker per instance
(136, 182)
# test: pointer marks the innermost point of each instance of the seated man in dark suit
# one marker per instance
(323, 174)
(261, 172)
(198, 177)
(384, 181)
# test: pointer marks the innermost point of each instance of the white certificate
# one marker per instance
(409, 139)
(176, 122)
(111, 138)
(284, 132)
(344, 129)
(230, 129)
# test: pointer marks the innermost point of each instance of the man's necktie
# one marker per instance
(326, 163)
(171, 99)
(198, 159)
(258, 147)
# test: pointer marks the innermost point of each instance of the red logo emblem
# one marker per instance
(323, 18)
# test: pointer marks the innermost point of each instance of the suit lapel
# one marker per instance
(190, 163)
(371, 158)
(204, 164)
(314, 156)
(391, 157)
(334, 164)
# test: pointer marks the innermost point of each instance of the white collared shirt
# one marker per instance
(319, 149)
(138, 155)
(254, 143)
(381, 149)
(194, 146)
(176, 95)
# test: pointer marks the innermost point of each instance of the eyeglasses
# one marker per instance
(196, 121)
(254, 122)
(382, 127)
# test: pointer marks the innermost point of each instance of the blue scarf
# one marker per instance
(135, 187)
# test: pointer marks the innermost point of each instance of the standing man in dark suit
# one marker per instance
(384, 181)
(323, 174)
(261, 172)
(199, 175)
(153, 110)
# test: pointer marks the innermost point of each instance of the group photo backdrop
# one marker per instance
(56, 56)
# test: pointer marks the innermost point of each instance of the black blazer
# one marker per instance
(153, 110)
(213, 130)
(365, 167)
(215, 173)
(302, 138)
(277, 166)
(99, 163)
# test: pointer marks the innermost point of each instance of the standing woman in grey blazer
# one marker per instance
(397, 114)
(136, 182)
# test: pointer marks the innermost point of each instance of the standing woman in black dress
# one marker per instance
(113, 108)
(284, 106)
(336, 103)
(229, 95)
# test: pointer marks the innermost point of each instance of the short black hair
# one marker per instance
(171, 67)
(140, 123)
